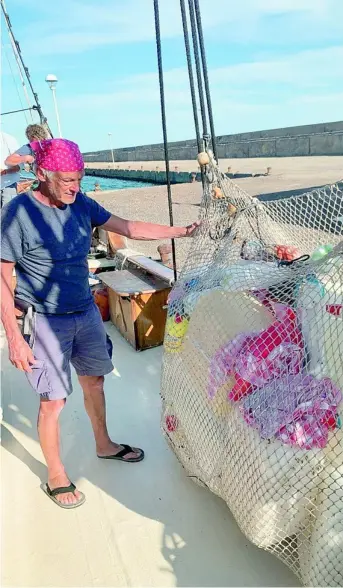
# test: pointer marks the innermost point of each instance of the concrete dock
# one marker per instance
(143, 524)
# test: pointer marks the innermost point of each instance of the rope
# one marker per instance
(190, 73)
(15, 84)
(16, 111)
(164, 124)
(191, 83)
(16, 56)
(198, 66)
(205, 75)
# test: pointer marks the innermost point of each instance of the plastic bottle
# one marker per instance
(321, 252)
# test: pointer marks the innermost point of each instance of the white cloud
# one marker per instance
(112, 22)
(297, 89)
(306, 70)
(263, 90)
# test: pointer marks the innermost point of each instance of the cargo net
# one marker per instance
(253, 369)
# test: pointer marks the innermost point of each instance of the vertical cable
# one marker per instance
(190, 73)
(205, 75)
(164, 124)
(191, 82)
(198, 66)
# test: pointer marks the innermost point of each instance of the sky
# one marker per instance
(272, 63)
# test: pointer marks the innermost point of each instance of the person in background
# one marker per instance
(25, 155)
(45, 236)
(97, 187)
(9, 171)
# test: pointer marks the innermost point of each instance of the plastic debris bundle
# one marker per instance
(253, 369)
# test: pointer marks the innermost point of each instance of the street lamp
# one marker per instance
(52, 80)
(111, 148)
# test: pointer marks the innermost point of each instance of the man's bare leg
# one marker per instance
(49, 437)
(93, 390)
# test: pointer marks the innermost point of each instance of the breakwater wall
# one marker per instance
(316, 139)
(155, 177)
(149, 176)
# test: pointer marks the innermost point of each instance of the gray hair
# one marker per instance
(48, 174)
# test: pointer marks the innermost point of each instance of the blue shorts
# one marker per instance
(57, 341)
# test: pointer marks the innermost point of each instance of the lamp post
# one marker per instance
(111, 148)
(52, 80)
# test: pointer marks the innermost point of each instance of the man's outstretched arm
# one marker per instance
(22, 155)
(15, 159)
(141, 231)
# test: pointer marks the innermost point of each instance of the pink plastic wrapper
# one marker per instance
(223, 363)
(257, 358)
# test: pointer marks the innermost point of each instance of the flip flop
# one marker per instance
(121, 454)
(63, 490)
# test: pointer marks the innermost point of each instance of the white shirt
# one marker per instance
(8, 145)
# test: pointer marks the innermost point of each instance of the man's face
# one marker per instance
(64, 186)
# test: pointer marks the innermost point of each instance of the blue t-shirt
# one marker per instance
(50, 247)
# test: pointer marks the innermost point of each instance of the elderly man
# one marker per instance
(46, 236)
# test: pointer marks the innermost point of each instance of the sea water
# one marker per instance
(88, 183)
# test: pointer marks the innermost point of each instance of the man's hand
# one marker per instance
(20, 354)
(28, 159)
(190, 230)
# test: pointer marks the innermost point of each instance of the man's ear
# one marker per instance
(40, 174)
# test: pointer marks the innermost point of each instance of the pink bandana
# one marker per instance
(57, 155)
